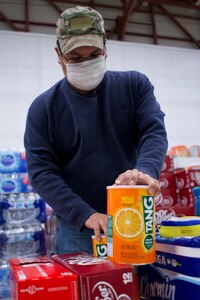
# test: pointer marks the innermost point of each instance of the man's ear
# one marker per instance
(105, 52)
(58, 55)
(60, 62)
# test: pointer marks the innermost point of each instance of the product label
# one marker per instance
(84, 260)
(160, 284)
(105, 291)
(7, 160)
(148, 206)
(178, 263)
(101, 250)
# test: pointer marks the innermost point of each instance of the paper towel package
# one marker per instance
(176, 273)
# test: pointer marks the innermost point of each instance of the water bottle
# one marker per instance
(4, 280)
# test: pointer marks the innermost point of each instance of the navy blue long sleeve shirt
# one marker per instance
(76, 144)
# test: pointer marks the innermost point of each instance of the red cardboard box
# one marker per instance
(168, 165)
(101, 278)
(186, 197)
(187, 178)
(182, 179)
(165, 213)
(41, 278)
(194, 175)
(167, 198)
(167, 181)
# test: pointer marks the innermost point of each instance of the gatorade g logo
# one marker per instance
(148, 208)
(101, 250)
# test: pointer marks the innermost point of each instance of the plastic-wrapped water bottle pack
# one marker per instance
(4, 280)
(12, 160)
(27, 240)
(22, 216)
(14, 183)
(21, 208)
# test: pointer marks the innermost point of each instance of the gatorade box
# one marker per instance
(41, 278)
(100, 278)
(176, 273)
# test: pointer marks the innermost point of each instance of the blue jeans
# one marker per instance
(69, 239)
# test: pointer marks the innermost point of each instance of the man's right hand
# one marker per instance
(97, 222)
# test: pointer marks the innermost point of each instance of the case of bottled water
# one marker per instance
(12, 160)
(21, 208)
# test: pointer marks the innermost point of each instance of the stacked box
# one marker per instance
(100, 278)
(165, 213)
(176, 197)
(76, 276)
(186, 179)
(169, 194)
(42, 278)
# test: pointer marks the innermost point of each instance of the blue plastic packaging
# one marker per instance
(176, 273)
(4, 280)
(24, 241)
(15, 183)
(12, 161)
(22, 208)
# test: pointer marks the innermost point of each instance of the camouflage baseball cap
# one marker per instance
(80, 26)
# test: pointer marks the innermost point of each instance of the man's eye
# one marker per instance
(75, 58)
(94, 55)
(79, 58)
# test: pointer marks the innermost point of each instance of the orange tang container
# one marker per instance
(131, 229)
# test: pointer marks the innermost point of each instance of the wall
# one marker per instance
(28, 66)
(175, 74)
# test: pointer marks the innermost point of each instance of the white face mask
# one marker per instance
(87, 75)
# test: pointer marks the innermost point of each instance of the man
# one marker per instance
(92, 129)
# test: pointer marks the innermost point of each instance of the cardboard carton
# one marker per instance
(167, 181)
(41, 278)
(168, 165)
(186, 197)
(100, 278)
(187, 178)
(167, 198)
(165, 213)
